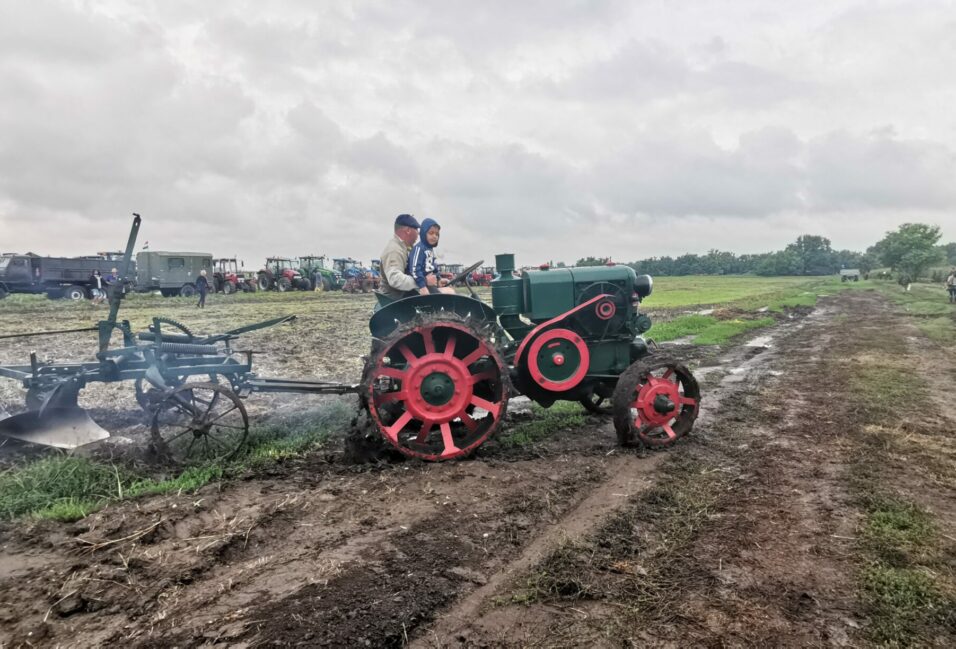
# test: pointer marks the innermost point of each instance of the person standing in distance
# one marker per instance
(202, 284)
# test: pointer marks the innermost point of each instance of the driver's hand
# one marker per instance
(443, 282)
(424, 291)
(430, 280)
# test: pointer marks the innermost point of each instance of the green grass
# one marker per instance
(898, 543)
(68, 488)
(881, 385)
(543, 423)
(707, 330)
(703, 290)
(896, 530)
(929, 303)
(901, 601)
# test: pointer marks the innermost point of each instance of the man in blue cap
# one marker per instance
(396, 282)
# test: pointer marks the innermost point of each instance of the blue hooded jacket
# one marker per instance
(421, 262)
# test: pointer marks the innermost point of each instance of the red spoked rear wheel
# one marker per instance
(437, 390)
(655, 403)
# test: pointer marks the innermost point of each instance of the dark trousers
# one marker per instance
(202, 299)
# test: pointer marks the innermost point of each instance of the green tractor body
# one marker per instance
(322, 276)
(443, 367)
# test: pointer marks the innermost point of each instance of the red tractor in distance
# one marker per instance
(282, 274)
(228, 278)
(448, 271)
(483, 276)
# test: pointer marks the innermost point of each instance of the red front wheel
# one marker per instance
(437, 390)
(655, 403)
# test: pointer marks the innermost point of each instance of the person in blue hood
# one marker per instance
(421, 263)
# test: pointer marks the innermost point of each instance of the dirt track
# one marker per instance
(320, 553)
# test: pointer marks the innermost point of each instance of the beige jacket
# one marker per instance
(395, 278)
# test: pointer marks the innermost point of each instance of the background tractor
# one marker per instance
(322, 277)
(443, 367)
(375, 272)
(483, 276)
(228, 278)
(281, 274)
(356, 278)
(448, 271)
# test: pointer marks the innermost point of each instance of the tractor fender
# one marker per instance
(384, 321)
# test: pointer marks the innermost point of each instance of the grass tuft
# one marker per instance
(69, 488)
(59, 487)
(707, 330)
(543, 423)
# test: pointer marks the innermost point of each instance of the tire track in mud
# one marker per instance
(737, 370)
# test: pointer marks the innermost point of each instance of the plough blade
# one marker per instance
(65, 428)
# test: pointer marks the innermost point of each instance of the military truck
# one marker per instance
(850, 275)
(58, 277)
(172, 273)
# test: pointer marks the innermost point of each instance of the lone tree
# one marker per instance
(911, 249)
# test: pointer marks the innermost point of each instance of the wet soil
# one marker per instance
(317, 552)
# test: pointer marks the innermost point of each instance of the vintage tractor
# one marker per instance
(443, 367)
(356, 279)
(228, 278)
(323, 278)
(281, 274)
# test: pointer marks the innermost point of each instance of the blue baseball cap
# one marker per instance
(407, 220)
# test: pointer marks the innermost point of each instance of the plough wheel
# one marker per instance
(437, 389)
(199, 423)
(655, 403)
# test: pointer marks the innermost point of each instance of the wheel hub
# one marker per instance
(656, 401)
(438, 389)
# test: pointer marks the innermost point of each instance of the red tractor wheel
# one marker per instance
(437, 390)
(655, 403)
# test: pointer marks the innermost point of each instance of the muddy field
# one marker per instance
(754, 531)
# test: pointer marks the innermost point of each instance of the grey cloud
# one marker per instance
(379, 155)
(644, 71)
(847, 171)
(692, 175)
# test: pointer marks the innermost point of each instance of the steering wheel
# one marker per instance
(457, 279)
(464, 275)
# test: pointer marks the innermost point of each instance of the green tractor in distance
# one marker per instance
(323, 278)
(281, 274)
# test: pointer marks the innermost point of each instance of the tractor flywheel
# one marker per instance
(437, 389)
(655, 403)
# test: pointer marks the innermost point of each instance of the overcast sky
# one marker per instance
(552, 129)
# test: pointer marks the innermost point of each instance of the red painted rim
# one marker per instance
(443, 431)
(655, 428)
(572, 381)
(606, 310)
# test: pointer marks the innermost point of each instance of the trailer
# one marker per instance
(57, 277)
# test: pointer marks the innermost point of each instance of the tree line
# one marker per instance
(911, 251)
